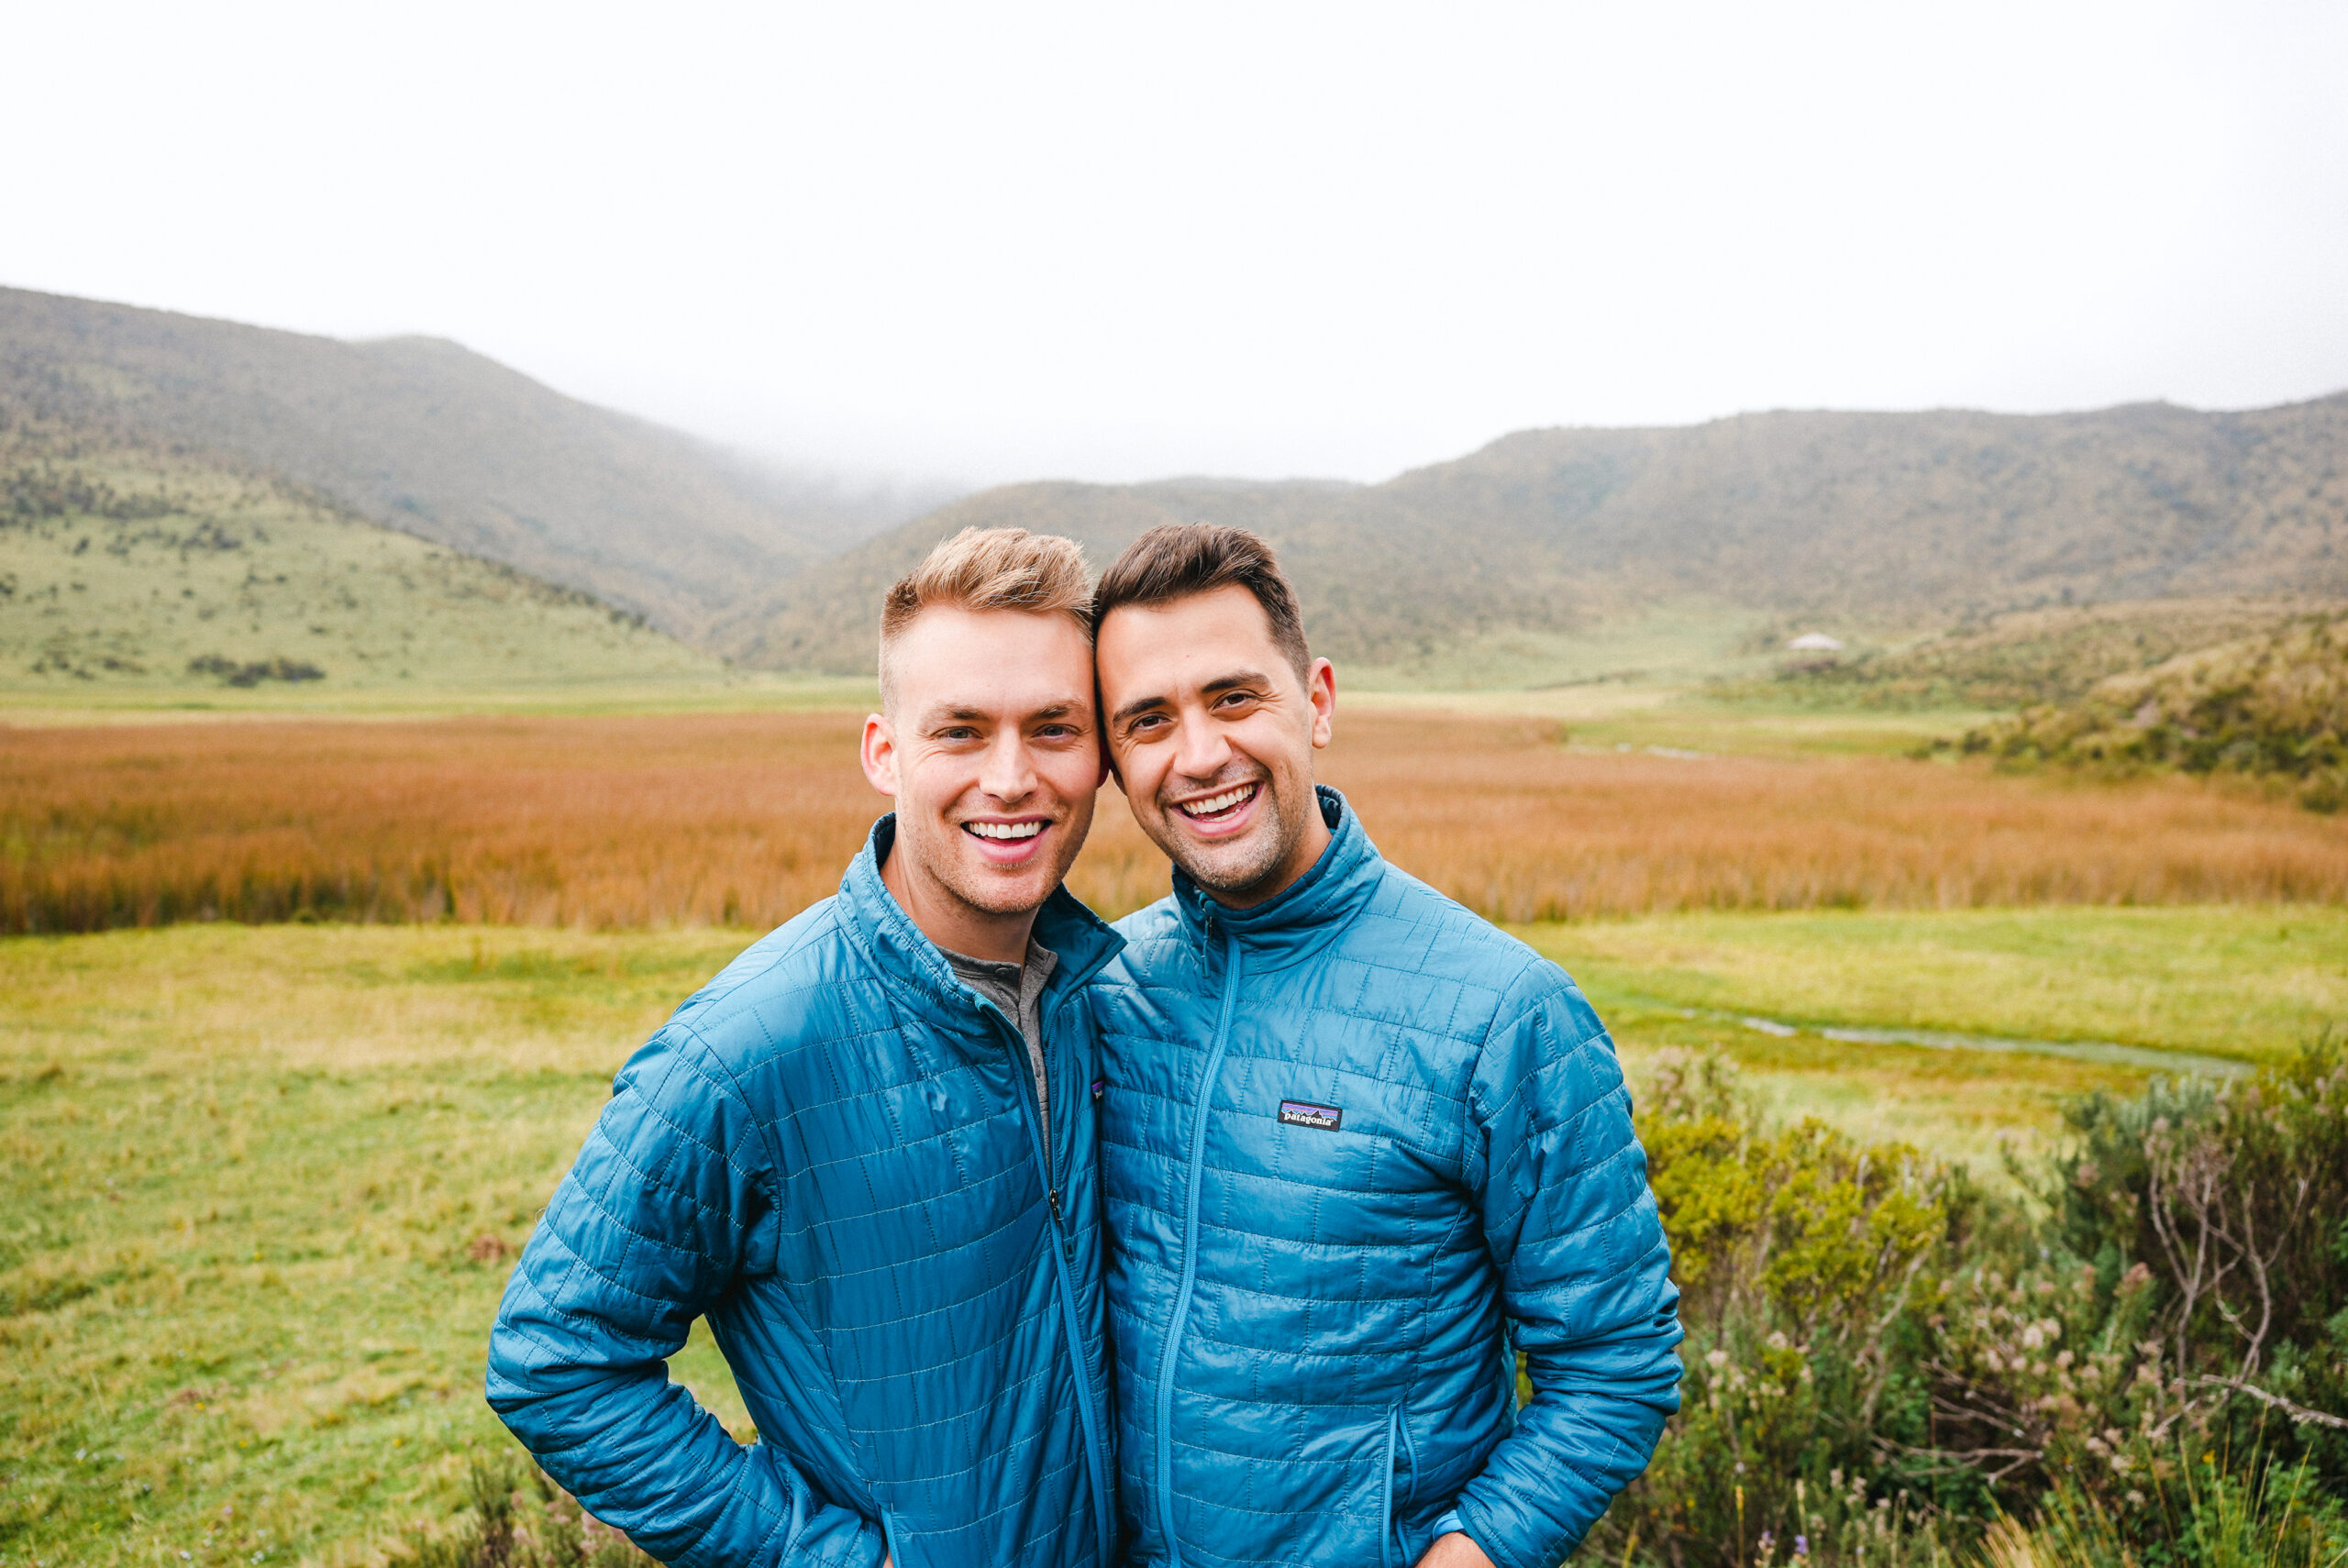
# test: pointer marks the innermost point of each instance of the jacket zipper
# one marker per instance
(1386, 1487)
(1172, 1351)
(1063, 1244)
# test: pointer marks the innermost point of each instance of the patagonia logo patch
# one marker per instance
(1304, 1113)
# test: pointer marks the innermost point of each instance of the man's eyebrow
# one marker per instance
(964, 714)
(1138, 705)
(1219, 684)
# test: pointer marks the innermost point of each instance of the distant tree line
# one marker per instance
(254, 673)
(34, 491)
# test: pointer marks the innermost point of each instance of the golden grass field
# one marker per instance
(742, 819)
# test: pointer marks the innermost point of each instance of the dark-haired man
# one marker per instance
(865, 1154)
(1358, 1147)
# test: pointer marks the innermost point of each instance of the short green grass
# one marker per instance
(259, 1187)
(2244, 983)
(258, 1193)
(1673, 643)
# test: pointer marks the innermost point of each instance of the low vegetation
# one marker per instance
(545, 821)
(2147, 1364)
(2269, 707)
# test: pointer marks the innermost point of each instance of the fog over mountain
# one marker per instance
(1908, 519)
(1888, 519)
(423, 435)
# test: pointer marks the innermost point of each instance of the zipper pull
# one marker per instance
(1068, 1242)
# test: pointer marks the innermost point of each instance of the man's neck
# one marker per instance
(952, 923)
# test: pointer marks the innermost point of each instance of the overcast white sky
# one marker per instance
(1116, 242)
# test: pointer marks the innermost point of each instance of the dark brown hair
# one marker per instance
(1176, 560)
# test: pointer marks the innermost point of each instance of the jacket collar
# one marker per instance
(1308, 914)
(903, 956)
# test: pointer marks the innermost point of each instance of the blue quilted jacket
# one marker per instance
(1358, 1148)
(831, 1153)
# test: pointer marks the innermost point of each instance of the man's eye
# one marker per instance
(957, 735)
(1232, 699)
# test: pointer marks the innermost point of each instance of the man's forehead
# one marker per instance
(1192, 643)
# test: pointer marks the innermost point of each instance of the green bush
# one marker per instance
(1887, 1366)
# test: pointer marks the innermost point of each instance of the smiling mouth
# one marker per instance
(1003, 833)
(1218, 808)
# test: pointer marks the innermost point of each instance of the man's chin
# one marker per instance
(1229, 870)
(999, 890)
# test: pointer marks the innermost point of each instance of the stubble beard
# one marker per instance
(1233, 870)
(988, 891)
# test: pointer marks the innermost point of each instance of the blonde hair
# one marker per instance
(990, 569)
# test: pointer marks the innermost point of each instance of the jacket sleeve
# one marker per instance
(1584, 1270)
(667, 1201)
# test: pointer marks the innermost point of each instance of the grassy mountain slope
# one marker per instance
(150, 573)
(2025, 658)
(2274, 706)
(1883, 520)
(427, 437)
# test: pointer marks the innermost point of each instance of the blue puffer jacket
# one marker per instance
(831, 1152)
(1416, 1158)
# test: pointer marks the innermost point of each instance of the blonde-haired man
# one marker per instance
(865, 1154)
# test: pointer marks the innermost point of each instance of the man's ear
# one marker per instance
(879, 754)
(1320, 690)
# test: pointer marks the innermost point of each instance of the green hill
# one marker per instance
(1889, 522)
(427, 437)
(131, 573)
(2023, 658)
(2273, 706)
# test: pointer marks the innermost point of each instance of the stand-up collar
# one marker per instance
(1313, 909)
(902, 954)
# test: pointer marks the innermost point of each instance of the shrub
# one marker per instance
(508, 1523)
(2146, 1356)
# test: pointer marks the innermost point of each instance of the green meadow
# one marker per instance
(260, 1188)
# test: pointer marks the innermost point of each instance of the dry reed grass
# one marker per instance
(1511, 825)
(744, 819)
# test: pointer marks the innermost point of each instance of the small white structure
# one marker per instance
(1815, 642)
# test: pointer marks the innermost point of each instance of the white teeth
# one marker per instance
(1005, 830)
(1222, 803)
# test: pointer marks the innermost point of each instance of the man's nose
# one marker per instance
(1201, 749)
(1008, 773)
